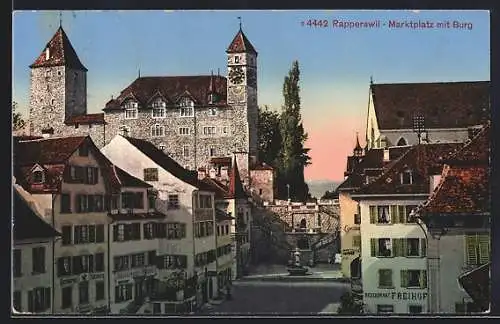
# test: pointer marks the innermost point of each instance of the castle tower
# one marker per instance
(58, 86)
(358, 150)
(242, 96)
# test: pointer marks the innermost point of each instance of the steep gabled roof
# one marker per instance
(173, 88)
(418, 159)
(46, 150)
(128, 180)
(167, 163)
(61, 53)
(236, 190)
(477, 150)
(53, 153)
(443, 105)
(27, 224)
(241, 44)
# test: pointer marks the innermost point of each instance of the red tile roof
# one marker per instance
(220, 190)
(464, 186)
(27, 223)
(52, 154)
(236, 190)
(463, 189)
(61, 53)
(418, 159)
(371, 164)
(477, 150)
(172, 88)
(444, 105)
(167, 163)
(86, 119)
(46, 150)
(241, 44)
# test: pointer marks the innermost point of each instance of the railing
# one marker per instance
(203, 214)
(137, 272)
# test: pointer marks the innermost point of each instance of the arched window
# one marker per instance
(402, 142)
(303, 223)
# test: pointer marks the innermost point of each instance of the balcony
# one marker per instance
(137, 272)
(204, 214)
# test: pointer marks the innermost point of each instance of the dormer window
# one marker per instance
(37, 177)
(158, 109)
(131, 109)
(406, 177)
(186, 107)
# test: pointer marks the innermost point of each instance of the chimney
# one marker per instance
(47, 54)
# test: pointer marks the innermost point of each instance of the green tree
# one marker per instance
(17, 119)
(349, 306)
(269, 136)
(293, 157)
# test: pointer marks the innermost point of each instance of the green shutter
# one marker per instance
(393, 214)
(423, 279)
(404, 247)
(31, 307)
(373, 214)
(396, 247)
(423, 248)
(374, 247)
(470, 249)
(402, 214)
(484, 248)
(404, 278)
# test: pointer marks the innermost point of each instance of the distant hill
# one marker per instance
(317, 188)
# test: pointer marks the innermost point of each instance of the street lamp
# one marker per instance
(418, 125)
(288, 191)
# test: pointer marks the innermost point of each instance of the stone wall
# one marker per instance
(228, 137)
(262, 181)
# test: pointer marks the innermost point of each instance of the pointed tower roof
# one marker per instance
(59, 52)
(358, 147)
(241, 44)
(236, 190)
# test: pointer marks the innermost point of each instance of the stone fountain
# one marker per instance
(296, 268)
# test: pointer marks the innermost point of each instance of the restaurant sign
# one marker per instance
(397, 295)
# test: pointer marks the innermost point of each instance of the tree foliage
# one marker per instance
(349, 306)
(293, 157)
(17, 119)
(269, 136)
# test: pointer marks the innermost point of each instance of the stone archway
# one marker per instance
(303, 223)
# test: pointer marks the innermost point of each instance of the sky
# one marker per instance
(336, 63)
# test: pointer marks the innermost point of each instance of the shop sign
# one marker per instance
(397, 295)
(97, 276)
(349, 251)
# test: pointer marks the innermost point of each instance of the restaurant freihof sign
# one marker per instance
(398, 295)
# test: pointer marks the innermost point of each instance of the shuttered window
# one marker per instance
(413, 278)
(385, 278)
(477, 249)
